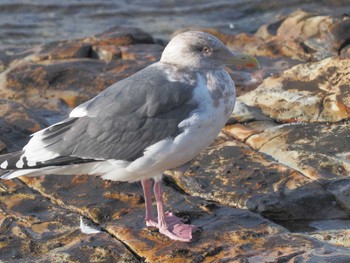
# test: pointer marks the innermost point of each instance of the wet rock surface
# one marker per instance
(34, 229)
(301, 35)
(311, 92)
(274, 187)
(240, 177)
(226, 233)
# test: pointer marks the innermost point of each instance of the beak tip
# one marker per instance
(244, 60)
(253, 63)
(253, 66)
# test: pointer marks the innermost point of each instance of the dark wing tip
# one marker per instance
(9, 161)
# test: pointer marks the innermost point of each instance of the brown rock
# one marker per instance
(318, 150)
(40, 85)
(239, 177)
(66, 49)
(312, 92)
(32, 228)
(107, 52)
(226, 233)
(53, 78)
(85, 48)
(305, 36)
(336, 237)
(12, 55)
(141, 52)
(16, 124)
(246, 121)
(121, 36)
(2, 147)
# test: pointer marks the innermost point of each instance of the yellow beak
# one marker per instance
(242, 60)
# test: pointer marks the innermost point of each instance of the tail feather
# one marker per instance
(14, 174)
(58, 170)
(92, 168)
(111, 170)
(18, 161)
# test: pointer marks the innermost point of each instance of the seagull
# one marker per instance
(157, 119)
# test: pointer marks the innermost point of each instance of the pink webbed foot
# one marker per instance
(168, 224)
(176, 229)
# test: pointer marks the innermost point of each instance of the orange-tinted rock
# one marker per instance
(247, 121)
(319, 151)
(53, 78)
(337, 237)
(312, 92)
(40, 85)
(226, 233)
(60, 50)
(106, 52)
(237, 176)
(300, 36)
(32, 228)
(16, 124)
(305, 36)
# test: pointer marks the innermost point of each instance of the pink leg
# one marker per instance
(170, 225)
(149, 218)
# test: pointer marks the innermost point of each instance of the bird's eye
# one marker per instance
(205, 49)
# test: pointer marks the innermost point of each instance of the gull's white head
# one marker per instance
(196, 49)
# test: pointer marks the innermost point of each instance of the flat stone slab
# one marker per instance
(240, 177)
(33, 229)
(319, 151)
(225, 233)
(312, 92)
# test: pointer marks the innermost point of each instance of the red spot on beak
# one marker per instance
(250, 65)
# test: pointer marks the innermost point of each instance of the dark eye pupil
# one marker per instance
(205, 49)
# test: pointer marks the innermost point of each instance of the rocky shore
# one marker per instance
(274, 187)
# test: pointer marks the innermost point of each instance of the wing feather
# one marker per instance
(121, 122)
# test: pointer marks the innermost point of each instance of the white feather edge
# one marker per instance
(35, 150)
(86, 229)
(4, 164)
(79, 111)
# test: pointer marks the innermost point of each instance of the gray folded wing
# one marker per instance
(121, 122)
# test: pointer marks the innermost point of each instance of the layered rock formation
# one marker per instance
(274, 187)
